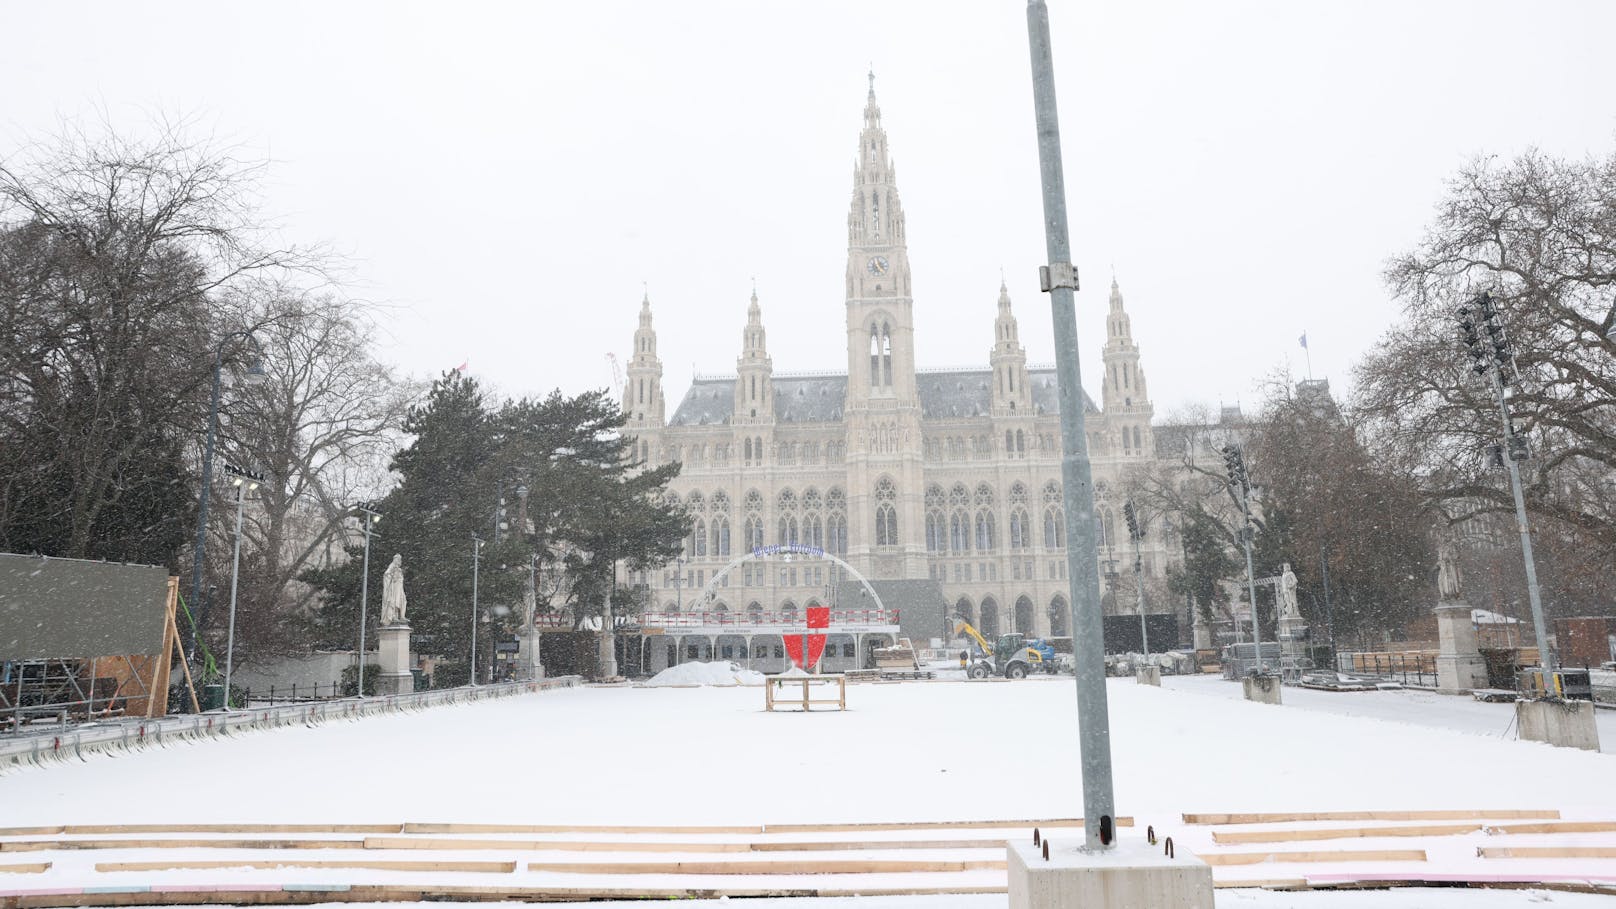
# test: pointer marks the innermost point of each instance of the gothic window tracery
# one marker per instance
(1054, 517)
(886, 513)
(836, 524)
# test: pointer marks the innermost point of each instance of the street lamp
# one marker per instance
(367, 525)
(245, 481)
(254, 372)
(476, 558)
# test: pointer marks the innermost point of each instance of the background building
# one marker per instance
(951, 475)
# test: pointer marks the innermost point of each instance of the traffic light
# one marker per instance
(1134, 533)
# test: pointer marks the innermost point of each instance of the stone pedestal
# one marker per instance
(1130, 875)
(1264, 689)
(1148, 675)
(1202, 633)
(393, 658)
(1459, 666)
(1569, 724)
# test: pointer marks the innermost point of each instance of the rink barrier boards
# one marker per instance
(20, 750)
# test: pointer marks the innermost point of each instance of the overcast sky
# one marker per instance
(507, 177)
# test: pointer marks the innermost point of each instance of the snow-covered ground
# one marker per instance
(919, 751)
(1420, 708)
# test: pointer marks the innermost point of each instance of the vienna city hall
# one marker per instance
(951, 478)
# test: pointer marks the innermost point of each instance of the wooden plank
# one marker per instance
(386, 842)
(74, 829)
(363, 864)
(858, 845)
(844, 866)
(939, 825)
(569, 828)
(418, 893)
(1278, 883)
(1340, 833)
(25, 868)
(30, 831)
(1546, 852)
(65, 845)
(1557, 827)
(1293, 817)
(1340, 855)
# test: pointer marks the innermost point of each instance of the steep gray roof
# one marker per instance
(944, 394)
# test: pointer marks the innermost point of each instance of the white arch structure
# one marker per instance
(710, 592)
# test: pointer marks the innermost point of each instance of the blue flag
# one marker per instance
(1304, 340)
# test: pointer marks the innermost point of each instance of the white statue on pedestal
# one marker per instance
(1287, 594)
(393, 603)
(1447, 570)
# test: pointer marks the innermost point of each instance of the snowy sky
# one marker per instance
(505, 176)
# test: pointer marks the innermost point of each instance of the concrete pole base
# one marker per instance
(1148, 675)
(1264, 689)
(1127, 876)
(393, 660)
(1568, 724)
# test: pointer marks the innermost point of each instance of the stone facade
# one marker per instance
(907, 473)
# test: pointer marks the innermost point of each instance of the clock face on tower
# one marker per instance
(878, 265)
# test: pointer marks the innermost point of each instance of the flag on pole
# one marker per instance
(1303, 340)
(462, 366)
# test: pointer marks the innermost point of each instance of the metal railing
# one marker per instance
(128, 734)
(774, 621)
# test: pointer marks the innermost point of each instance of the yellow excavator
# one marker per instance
(1012, 656)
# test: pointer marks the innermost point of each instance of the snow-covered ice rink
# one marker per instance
(922, 751)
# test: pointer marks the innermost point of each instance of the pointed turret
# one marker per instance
(642, 392)
(754, 394)
(1125, 395)
(1011, 396)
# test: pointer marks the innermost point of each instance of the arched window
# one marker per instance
(1054, 517)
(788, 531)
(959, 519)
(701, 539)
(886, 513)
(720, 536)
(1021, 441)
(836, 524)
(1138, 445)
(984, 530)
(886, 354)
(1019, 538)
(754, 614)
(875, 354)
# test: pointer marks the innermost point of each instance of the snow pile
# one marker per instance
(795, 672)
(722, 674)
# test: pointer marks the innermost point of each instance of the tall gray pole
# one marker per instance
(199, 550)
(235, 570)
(1251, 584)
(1059, 279)
(368, 518)
(1139, 585)
(476, 556)
(1545, 652)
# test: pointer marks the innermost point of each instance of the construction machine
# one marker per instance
(1012, 656)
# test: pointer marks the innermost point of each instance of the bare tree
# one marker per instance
(321, 428)
(1539, 233)
(114, 256)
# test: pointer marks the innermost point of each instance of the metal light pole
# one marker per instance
(1329, 610)
(367, 522)
(1059, 280)
(1136, 534)
(245, 482)
(1234, 462)
(476, 557)
(255, 370)
(1493, 358)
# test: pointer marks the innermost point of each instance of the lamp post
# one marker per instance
(245, 481)
(1136, 535)
(254, 372)
(1240, 483)
(1059, 280)
(367, 523)
(476, 557)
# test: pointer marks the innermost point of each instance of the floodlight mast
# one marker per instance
(1059, 280)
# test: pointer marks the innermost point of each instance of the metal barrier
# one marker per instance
(81, 741)
(1414, 668)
